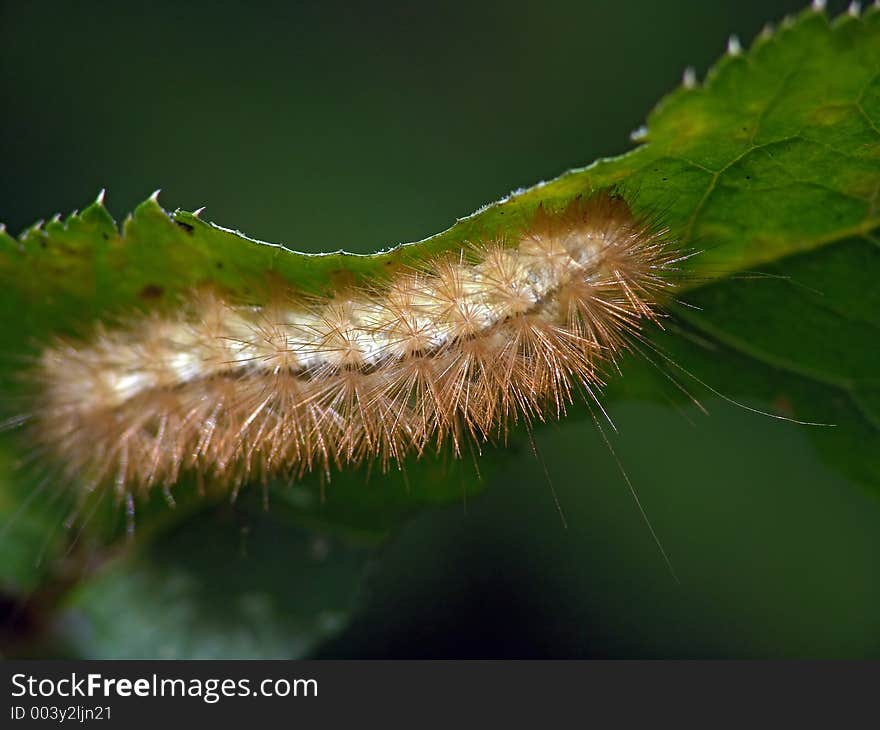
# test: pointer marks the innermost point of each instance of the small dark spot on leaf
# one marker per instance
(748, 177)
(43, 244)
(186, 226)
(664, 179)
(342, 279)
(151, 291)
(106, 237)
(783, 405)
(219, 264)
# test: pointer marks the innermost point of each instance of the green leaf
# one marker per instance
(224, 584)
(772, 164)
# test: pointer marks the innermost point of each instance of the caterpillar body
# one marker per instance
(457, 348)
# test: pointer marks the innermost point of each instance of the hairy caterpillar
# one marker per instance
(459, 348)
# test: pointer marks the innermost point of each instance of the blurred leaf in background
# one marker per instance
(775, 548)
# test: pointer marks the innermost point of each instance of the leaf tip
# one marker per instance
(734, 47)
(639, 135)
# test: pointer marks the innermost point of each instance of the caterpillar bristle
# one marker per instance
(459, 348)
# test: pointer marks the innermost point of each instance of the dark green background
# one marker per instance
(324, 125)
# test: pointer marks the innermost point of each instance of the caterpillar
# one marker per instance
(458, 348)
